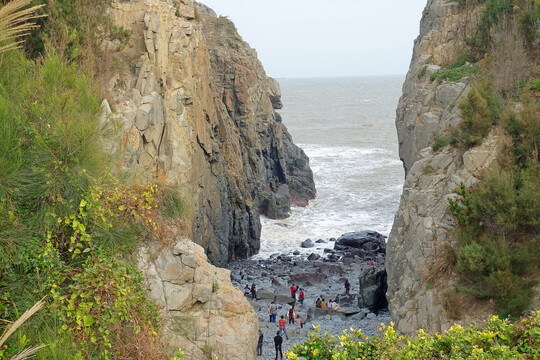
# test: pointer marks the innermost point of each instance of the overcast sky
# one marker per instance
(312, 38)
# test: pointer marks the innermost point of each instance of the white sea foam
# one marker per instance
(352, 148)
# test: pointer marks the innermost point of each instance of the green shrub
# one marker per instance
(422, 72)
(60, 213)
(480, 110)
(494, 339)
(455, 74)
(439, 142)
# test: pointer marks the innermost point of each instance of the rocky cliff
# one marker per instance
(203, 313)
(198, 113)
(423, 223)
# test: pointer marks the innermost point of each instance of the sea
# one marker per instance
(346, 127)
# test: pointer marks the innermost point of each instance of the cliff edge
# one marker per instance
(423, 221)
(199, 114)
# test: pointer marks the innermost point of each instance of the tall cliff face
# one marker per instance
(423, 223)
(199, 113)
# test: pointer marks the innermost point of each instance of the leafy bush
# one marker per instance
(455, 73)
(480, 110)
(61, 213)
(494, 339)
(440, 142)
(422, 72)
(495, 257)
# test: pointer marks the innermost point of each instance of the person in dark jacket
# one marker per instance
(259, 344)
(253, 291)
(278, 340)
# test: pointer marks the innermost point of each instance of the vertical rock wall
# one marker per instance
(199, 113)
(423, 222)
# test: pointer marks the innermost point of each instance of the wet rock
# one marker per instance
(306, 244)
(320, 241)
(361, 244)
(373, 288)
(314, 256)
(308, 278)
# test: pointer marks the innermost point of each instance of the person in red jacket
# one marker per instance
(301, 296)
(291, 315)
(293, 290)
(282, 329)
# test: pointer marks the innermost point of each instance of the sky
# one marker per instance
(323, 38)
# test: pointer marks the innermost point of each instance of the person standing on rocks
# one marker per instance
(347, 287)
(260, 343)
(291, 315)
(253, 291)
(301, 297)
(293, 290)
(242, 273)
(278, 340)
(273, 312)
(298, 325)
(282, 329)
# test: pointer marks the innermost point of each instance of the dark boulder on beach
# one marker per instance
(372, 294)
(313, 257)
(368, 242)
(308, 278)
(307, 244)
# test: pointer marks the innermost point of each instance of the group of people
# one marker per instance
(251, 291)
(278, 341)
(321, 303)
(297, 294)
(294, 319)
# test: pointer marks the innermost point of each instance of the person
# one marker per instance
(242, 274)
(298, 325)
(293, 290)
(282, 329)
(347, 287)
(259, 344)
(337, 300)
(329, 304)
(291, 315)
(318, 303)
(296, 295)
(247, 290)
(301, 296)
(335, 305)
(323, 304)
(253, 291)
(269, 310)
(278, 340)
(273, 311)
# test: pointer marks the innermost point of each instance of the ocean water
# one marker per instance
(346, 127)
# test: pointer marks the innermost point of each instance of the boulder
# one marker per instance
(368, 242)
(308, 278)
(314, 313)
(320, 241)
(372, 294)
(331, 269)
(314, 256)
(306, 244)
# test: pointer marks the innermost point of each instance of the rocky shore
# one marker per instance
(320, 274)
